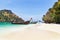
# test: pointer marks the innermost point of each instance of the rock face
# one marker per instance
(9, 16)
(53, 14)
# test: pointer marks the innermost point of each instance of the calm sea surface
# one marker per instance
(6, 27)
(6, 24)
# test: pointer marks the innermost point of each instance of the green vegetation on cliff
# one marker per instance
(9, 16)
(53, 14)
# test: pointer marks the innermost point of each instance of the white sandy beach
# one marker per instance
(33, 32)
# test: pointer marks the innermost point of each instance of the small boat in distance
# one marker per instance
(33, 22)
(26, 22)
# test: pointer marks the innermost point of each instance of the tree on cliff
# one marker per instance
(53, 14)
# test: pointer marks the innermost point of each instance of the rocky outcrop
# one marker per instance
(9, 16)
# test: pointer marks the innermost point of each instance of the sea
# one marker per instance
(7, 24)
(6, 27)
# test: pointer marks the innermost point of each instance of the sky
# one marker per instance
(27, 9)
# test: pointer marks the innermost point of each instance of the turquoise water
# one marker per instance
(7, 24)
(6, 27)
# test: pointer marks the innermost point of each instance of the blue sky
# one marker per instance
(28, 8)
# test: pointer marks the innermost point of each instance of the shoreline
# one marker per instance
(40, 31)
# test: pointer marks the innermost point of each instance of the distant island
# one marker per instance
(53, 14)
(9, 16)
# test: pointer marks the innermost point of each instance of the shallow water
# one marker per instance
(6, 28)
(7, 24)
